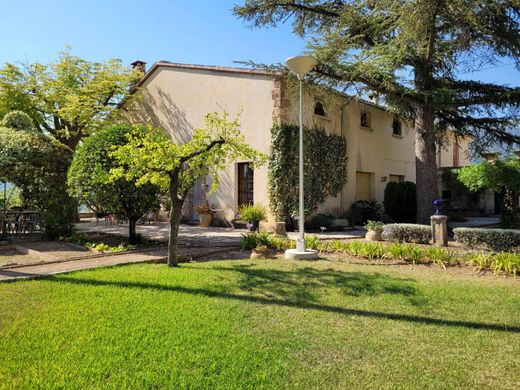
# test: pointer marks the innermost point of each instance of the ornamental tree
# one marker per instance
(416, 56)
(150, 157)
(67, 99)
(34, 163)
(499, 176)
(89, 179)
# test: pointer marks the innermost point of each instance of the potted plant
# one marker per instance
(374, 230)
(253, 213)
(205, 211)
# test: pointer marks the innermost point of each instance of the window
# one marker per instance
(397, 127)
(319, 109)
(396, 178)
(364, 119)
(245, 184)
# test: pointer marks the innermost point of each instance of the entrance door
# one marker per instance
(245, 184)
(363, 186)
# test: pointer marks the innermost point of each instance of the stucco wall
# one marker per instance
(178, 99)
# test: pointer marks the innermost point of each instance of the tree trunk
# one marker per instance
(425, 164)
(175, 218)
(132, 235)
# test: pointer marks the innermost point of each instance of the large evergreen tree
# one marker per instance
(414, 54)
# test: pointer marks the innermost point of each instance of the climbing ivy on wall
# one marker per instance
(324, 164)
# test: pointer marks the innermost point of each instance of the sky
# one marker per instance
(186, 31)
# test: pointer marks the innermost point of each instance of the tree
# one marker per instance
(499, 175)
(413, 54)
(151, 157)
(32, 161)
(89, 178)
(67, 99)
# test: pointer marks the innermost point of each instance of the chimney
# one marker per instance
(141, 65)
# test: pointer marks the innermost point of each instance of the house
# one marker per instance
(380, 147)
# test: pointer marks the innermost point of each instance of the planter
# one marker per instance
(205, 219)
(373, 235)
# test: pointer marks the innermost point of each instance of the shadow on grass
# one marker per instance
(298, 302)
(306, 284)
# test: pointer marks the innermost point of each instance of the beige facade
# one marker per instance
(176, 97)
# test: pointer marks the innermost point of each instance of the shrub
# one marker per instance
(401, 201)
(252, 240)
(320, 220)
(17, 120)
(374, 225)
(363, 210)
(499, 240)
(253, 213)
(406, 232)
(312, 241)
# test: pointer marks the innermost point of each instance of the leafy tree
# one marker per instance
(415, 55)
(497, 175)
(150, 157)
(67, 99)
(89, 178)
(324, 164)
(33, 162)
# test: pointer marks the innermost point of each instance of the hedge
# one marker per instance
(407, 232)
(499, 240)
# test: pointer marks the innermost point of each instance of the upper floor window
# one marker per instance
(364, 119)
(319, 109)
(397, 126)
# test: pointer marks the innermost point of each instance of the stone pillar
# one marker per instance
(439, 230)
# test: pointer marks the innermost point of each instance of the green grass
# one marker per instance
(261, 324)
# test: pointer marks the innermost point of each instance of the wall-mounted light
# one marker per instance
(384, 178)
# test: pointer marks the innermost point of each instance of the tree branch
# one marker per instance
(208, 147)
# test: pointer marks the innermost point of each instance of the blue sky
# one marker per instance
(199, 32)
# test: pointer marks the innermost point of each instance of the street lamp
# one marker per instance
(301, 65)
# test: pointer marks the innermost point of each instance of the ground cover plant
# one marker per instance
(260, 324)
(499, 262)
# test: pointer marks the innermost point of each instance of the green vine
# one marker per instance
(325, 158)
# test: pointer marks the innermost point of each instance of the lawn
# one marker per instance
(261, 324)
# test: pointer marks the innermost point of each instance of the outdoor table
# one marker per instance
(20, 221)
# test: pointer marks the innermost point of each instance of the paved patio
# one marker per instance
(193, 236)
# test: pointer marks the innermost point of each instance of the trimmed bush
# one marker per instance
(401, 201)
(407, 232)
(320, 220)
(363, 210)
(498, 240)
(253, 213)
(17, 120)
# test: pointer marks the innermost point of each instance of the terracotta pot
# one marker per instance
(373, 235)
(205, 219)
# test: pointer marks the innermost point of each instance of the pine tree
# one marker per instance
(414, 54)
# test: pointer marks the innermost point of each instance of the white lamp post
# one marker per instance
(301, 65)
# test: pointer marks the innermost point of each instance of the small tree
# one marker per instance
(89, 179)
(151, 157)
(33, 162)
(497, 175)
